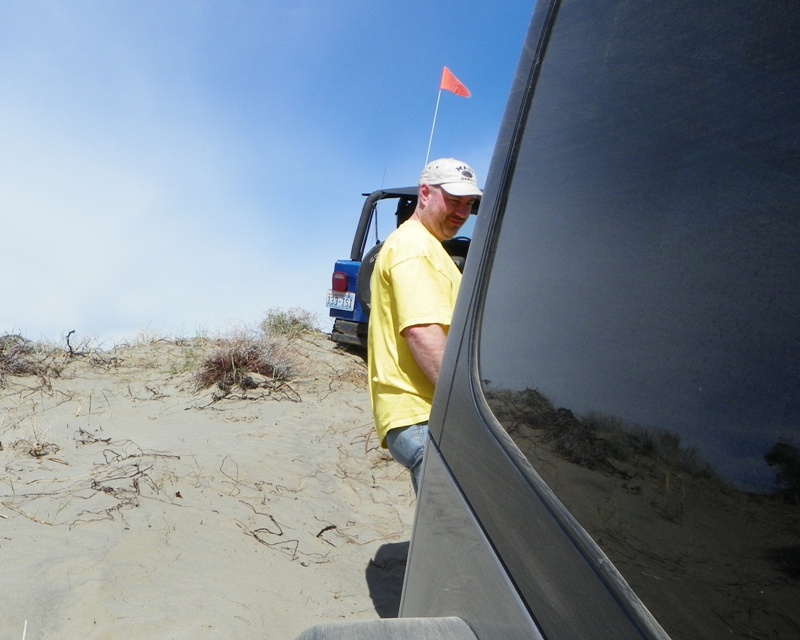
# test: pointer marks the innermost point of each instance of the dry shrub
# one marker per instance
(290, 324)
(21, 357)
(15, 354)
(236, 359)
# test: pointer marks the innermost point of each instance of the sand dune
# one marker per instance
(134, 506)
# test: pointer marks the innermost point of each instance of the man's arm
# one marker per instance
(426, 342)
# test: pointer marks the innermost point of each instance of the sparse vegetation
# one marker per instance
(21, 357)
(248, 360)
(191, 361)
(237, 359)
(15, 352)
(245, 360)
(289, 323)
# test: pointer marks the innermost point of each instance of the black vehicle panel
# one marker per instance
(450, 533)
(631, 319)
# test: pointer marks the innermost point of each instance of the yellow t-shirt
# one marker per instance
(414, 282)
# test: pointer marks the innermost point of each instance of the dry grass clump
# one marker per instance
(21, 357)
(248, 360)
(15, 354)
(251, 359)
(240, 360)
(290, 324)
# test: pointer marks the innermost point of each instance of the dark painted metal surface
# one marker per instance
(621, 378)
(453, 568)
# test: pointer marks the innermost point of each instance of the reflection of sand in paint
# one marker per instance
(709, 561)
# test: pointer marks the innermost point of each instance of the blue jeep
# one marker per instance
(348, 298)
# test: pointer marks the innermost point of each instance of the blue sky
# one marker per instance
(177, 168)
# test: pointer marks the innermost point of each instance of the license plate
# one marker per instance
(341, 301)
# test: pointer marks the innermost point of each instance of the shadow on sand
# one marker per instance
(385, 578)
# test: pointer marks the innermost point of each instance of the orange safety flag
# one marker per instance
(452, 84)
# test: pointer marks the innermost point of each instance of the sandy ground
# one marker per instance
(133, 506)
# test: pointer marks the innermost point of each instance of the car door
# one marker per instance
(614, 444)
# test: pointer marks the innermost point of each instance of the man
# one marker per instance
(414, 287)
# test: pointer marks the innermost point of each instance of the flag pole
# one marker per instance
(433, 126)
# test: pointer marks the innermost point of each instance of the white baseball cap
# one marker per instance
(454, 176)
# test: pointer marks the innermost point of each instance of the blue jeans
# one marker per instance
(407, 444)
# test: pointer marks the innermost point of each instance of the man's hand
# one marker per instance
(426, 342)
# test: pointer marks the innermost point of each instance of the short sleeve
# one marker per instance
(424, 293)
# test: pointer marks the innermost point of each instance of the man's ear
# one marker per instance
(424, 193)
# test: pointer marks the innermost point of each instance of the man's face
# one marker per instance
(443, 214)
